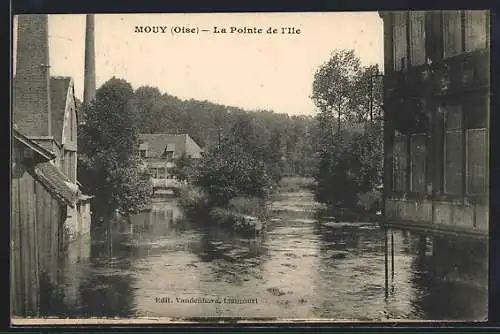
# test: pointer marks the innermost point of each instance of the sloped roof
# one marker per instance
(58, 95)
(42, 153)
(158, 142)
(56, 182)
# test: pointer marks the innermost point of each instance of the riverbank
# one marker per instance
(245, 215)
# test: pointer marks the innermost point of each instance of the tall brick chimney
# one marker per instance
(89, 75)
(31, 95)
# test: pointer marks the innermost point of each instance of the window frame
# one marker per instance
(168, 156)
(411, 156)
(400, 64)
(412, 19)
(459, 31)
(397, 188)
(467, 29)
(461, 131)
(486, 163)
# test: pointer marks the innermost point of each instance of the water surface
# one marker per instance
(305, 266)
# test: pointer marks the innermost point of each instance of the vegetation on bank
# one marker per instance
(108, 161)
(350, 153)
(234, 179)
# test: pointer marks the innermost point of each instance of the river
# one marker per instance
(304, 266)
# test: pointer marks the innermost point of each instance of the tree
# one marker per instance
(366, 103)
(108, 146)
(236, 167)
(333, 85)
(184, 168)
(148, 108)
(350, 158)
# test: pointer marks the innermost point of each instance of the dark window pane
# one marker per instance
(477, 161)
(418, 163)
(453, 162)
(477, 113)
(417, 37)
(400, 163)
(453, 117)
(400, 40)
(452, 33)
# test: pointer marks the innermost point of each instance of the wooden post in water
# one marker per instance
(392, 255)
(386, 262)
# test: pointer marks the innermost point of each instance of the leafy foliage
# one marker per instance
(184, 168)
(350, 156)
(238, 167)
(108, 161)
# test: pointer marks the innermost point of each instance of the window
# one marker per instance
(67, 163)
(418, 160)
(142, 153)
(477, 161)
(452, 33)
(400, 163)
(475, 30)
(400, 42)
(157, 173)
(72, 165)
(417, 37)
(453, 150)
(169, 154)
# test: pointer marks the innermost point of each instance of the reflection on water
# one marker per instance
(305, 266)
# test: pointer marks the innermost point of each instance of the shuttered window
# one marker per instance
(477, 161)
(453, 150)
(400, 43)
(452, 33)
(418, 157)
(476, 25)
(400, 156)
(417, 37)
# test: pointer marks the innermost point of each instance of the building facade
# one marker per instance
(44, 110)
(436, 107)
(48, 209)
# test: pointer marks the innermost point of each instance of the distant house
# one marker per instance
(160, 150)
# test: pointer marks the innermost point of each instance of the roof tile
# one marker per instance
(56, 182)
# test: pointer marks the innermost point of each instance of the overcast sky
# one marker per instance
(251, 71)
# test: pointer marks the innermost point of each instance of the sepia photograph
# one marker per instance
(208, 167)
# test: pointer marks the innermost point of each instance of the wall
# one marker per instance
(24, 247)
(77, 223)
(36, 238)
(465, 217)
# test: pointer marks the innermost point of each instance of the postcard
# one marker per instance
(305, 167)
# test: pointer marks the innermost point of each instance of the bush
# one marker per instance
(235, 221)
(252, 206)
(349, 167)
(193, 200)
(232, 173)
